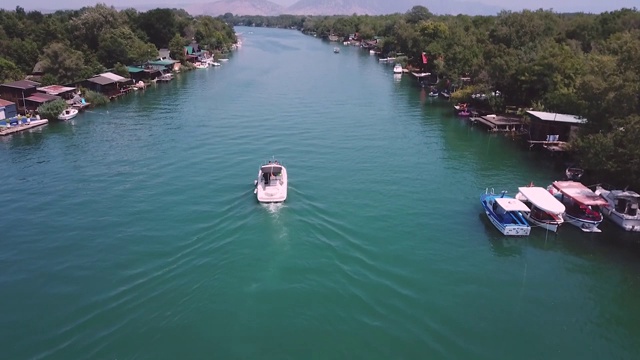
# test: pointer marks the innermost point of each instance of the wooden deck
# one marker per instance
(4, 131)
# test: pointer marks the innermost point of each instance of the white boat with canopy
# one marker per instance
(546, 210)
(271, 185)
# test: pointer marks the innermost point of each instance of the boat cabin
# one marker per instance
(625, 202)
(270, 171)
(503, 206)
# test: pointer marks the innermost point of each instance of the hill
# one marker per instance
(236, 7)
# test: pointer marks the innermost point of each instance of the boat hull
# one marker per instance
(590, 226)
(68, 115)
(551, 226)
(627, 223)
(505, 229)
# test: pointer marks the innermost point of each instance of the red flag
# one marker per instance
(424, 58)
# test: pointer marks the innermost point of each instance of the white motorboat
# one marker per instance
(397, 69)
(336, 50)
(200, 65)
(582, 204)
(215, 63)
(271, 185)
(546, 210)
(68, 114)
(622, 208)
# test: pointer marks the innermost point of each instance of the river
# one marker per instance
(132, 232)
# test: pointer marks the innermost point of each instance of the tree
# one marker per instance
(93, 22)
(9, 71)
(417, 14)
(176, 47)
(121, 70)
(160, 25)
(121, 45)
(63, 62)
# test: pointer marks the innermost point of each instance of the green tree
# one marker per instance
(9, 71)
(121, 70)
(63, 62)
(93, 21)
(176, 47)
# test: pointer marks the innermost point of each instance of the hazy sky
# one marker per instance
(563, 5)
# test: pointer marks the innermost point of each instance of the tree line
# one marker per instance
(582, 64)
(72, 45)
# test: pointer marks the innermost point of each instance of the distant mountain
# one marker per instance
(334, 7)
(377, 7)
(236, 7)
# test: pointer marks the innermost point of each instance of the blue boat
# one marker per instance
(506, 213)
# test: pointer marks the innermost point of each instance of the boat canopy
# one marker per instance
(542, 199)
(625, 194)
(579, 193)
(274, 169)
(510, 204)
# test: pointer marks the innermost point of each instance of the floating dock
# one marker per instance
(5, 130)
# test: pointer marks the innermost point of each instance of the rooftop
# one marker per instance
(21, 84)
(561, 118)
(134, 69)
(4, 103)
(162, 62)
(42, 98)
(55, 89)
(101, 80)
(114, 77)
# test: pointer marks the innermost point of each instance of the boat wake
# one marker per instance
(273, 208)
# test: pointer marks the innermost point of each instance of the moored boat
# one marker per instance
(433, 93)
(336, 50)
(546, 210)
(574, 173)
(582, 204)
(68, 114)
(506, 213)
(397, 69)
(622, 207)
(271, 185)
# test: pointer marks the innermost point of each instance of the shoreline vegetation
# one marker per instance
(581, 64)
(68, 47)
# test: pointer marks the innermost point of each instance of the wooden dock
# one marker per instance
(497, 123)
(4, 131)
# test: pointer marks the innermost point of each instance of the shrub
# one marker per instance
(94, 98)
(52, 110)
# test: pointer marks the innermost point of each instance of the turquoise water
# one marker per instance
(132, 232)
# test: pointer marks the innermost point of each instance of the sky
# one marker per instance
(563, 5)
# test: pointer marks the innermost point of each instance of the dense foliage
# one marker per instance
(52, 110)
(76, 44)
(582, 64)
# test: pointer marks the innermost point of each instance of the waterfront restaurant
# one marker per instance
(553, 130)
(17, 91)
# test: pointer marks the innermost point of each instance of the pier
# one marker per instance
(8, 130)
